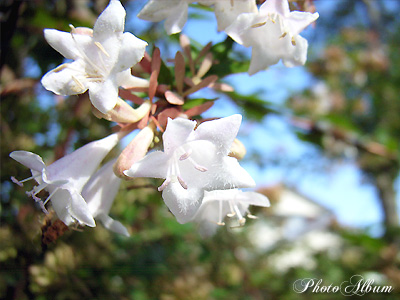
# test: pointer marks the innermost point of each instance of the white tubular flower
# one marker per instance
(175, 12)
(102, 59)
(194, 161)
(232, 203)
(99, 193)
(65, 178)
(273, 33)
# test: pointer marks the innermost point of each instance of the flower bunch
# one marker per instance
(197, 159)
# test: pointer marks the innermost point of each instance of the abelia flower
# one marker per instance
(194, 161)
(273, 34)
(102, 59)
(99, 193)
(232, 203)
(175, 12)
(65, 178)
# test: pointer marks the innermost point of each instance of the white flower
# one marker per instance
(102, 59)
(218, 204)
(194, 161)
(273, 33)
(175, 12)
(99, 193)
(65, 178)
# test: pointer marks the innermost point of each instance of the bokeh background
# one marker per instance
(322, 142)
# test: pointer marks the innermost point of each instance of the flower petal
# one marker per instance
(131, 52)
(104, 95)
(79, 210)
(183, 203)
(175, 22)
(227, 11)
(66, 44)
(29, 159)
(298, 54)
(126, 80)
(113, 225)
(154, 164)
(110, 22)
(101, 189)
(221, 132)
(78, 166)
(177, 133)
(253, 198)
(61, 201)
(66, 79)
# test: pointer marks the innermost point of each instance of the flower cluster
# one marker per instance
(272, 30)
(198, 160)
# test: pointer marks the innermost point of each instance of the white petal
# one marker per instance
(228, 175)
(221, 132)
(126, 80)
(154, 164)
(66, 44)
(104, 95)
(29, 160)
(175, 22)
(227, 11)
(156, 10)
(101, 189)
(67, 79)
(262, 59)
(298, 55)
(78, 166)
(110, 22)
(61, 201)
(80, 211)
(275, 6)
(113, 225)
(297, 21)
(253, 198)
(183, 203)
(177, 133)
(241, 30)
(131, 52)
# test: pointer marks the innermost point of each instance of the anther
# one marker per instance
(293, 41)
(164, 185)
(250, 216)
(221, 223)
(230, 215)
(283, 35)
(78, 82)
(100, 46)
(200, 168)
(242, 221)
(186, 155)
(16, 181)
(258, 24)
(183, 183)
(73, 29)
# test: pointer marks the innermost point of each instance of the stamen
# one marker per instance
(182, 182)
(258, 24)
(34, 197)
(221, 223)
(164, 185)
(242, 221)
(20, 182)
(41, 204)
(232, 2)
(78, 82)
(51, 195)
(16, 181)
(232, 214)
(200, 168)
(73, 29)
(293, 41)
(250, 216)
(100, 46)
(283, 35)
(186, 155)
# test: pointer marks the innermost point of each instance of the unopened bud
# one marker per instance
(238, 150)
(135, 150)
(123, 112)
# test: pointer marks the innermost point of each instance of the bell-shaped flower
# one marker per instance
(102, 59)
(233, 203)
(99, 193)
(65, 178)
(273, 34)
(194, 161)
(175, 12)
